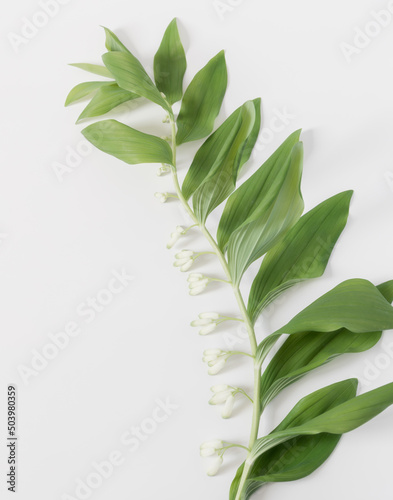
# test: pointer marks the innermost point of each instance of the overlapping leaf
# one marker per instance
(96, 69)
(355, 304)
(112, 42)
(220, 180)
(254, 197)
(170, 64)
(107, 98)
(302, 254)
(253, 239)
(83, 90)
(127, 144)
(301, 455)
(130, 75)
(202, 101)
(304, 352)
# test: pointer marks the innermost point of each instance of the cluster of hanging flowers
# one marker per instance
(215, 359)
(209, 449)
(184, 260)
(207, 322)
(224, 395)
(197, 282)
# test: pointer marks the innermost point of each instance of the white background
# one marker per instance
(61, 241)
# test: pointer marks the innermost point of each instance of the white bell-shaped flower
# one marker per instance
(162, 197)
(215, 466)
(228, 406)
(175, 236)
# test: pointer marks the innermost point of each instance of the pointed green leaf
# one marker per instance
(112, 43)
(302, 254)
(304, 352)
(83, 90)
(299, 456)
(220, 182)
(202, 101)
(255, 196)
(170, 64)
(106, 99)
(130, 75)
(355, 304)
(127, 144)
(93, 68)
(255, 238)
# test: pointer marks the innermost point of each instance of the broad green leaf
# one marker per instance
(83, 90)
(340, 419)
(170, 64)
(130, 75)
(106, 99)
(301, 455)
(255, 196)
(93, 68)
(304, 352)
(252, 240)
(221, 182)
(355, 304)
(127, 144)
(202, 101)
(112, 43)
(302, 254)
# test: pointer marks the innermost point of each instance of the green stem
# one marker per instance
(241, 304)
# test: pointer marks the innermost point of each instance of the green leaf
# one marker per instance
(252, 240)
(221, 180)
(93, 68)
(127, 144)
(255, 196)
(202, 101)
(344, 417)
(355, 304)
(106, 99)
(304, 352)
(83, 90)
(112, 43)
(170, 64)
(130, 75)
(298, 456)
(302, 254)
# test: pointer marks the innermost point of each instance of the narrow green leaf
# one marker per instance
(202, 101)
(355, 304)
(343, 418)
(127, 144)
(301, 455)
(130, 75)
(304, 352)
(255, 196)
(255, 238)
(106, 99)
(302, 254)
(96, 69)
(170, 64)
(83, 90)
(112, 43)
(220, 182)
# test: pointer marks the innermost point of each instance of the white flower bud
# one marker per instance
(186, 266)
(207, 452)
(201, 322)
(217, 444)
(163, 170)
(207, 329)
(194, 277)
(217, 367)
(220, 397)
(181, 262)
(215, 466)
(197, 290)
(179, 229)
(209, 315)
(209, 352)
(220, 388)
(162, 197)
(184, 254)
(228, 407)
